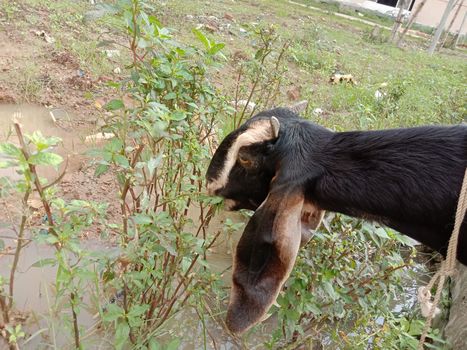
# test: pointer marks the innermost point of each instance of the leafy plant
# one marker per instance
(160, 147)
(62, 226)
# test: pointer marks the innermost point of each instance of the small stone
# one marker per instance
(43, 34)
(317, 111)
(228, 17)
(250, 106)
(112, 53)
(211, 28)
(293, 93)
(98, 137)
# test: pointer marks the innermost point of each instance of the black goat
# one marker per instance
(290, 170)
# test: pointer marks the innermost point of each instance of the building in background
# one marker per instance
(430, 15)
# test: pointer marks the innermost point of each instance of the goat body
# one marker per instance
(408, 179)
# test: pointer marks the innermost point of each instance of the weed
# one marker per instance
(29, 83)
(159, 149)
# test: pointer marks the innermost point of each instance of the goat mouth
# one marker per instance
(212, 189)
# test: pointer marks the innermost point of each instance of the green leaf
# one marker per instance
(114, 145)
(153, 163)
(4, 164)
(201, 37)
(114, 105)
(312, 307)
(381, 232)
(121, 160)
(10, 149)
(216, 48)
(178, 116)
(63, 275)
(121, 335)
(142, 219)
(45, 158)
(112, 313)
(45, 262)
(101, 169)
(170, 96)
(51, 239)
(329, 289)
(154, 345)
(2, 245)
(167, 245)
(41, 142)
(173, 345)
(138, 310)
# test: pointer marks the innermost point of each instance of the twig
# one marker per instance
(4, 308)
(19, 246)
(75, 321)
(37, 183)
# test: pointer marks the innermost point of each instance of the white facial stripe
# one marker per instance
(258, 132)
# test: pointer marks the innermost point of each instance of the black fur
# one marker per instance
(408, 179)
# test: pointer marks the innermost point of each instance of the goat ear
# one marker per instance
(299, 107)
(275, 125)
(264, 258)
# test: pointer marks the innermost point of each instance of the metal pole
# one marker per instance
(460, 31)
(460, 2)
(441, 25)
(412, 19)
(398, 20)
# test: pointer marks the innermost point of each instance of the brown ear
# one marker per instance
(264, 257)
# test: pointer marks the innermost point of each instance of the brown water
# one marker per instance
(40, 118)
(34, 292)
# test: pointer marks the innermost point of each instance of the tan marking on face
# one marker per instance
(257, 132)
(229, 204)
(311, 220)
(312, 215)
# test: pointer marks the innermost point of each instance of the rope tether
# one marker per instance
(448, 267)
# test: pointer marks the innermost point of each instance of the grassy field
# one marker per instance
(421, 89)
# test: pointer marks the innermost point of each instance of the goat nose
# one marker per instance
(212, 190)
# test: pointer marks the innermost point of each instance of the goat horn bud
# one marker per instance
(275, 125)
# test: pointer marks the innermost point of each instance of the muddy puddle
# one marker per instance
(34, 292)
(51, 122)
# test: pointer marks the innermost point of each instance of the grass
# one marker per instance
(29, 83)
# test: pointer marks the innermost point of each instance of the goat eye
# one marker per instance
(245, 162)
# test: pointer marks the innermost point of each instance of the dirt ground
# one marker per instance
(35, 72)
